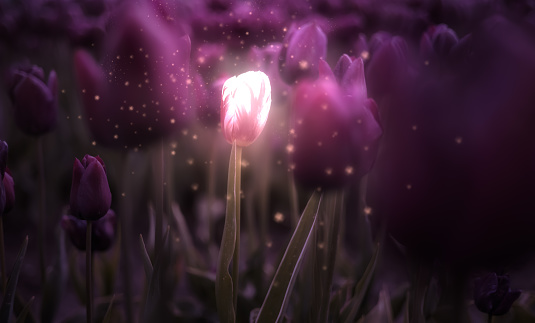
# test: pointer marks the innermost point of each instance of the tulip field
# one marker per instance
(267, 161)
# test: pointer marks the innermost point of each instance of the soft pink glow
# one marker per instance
(245, 104)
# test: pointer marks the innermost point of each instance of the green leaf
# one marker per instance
(153, 298)
(223, 286)
(25, 311)
(55, 282)
(147, 264)
(9, 296)
(382, 312)
(272, 309)
(362, 288)
(187, 246)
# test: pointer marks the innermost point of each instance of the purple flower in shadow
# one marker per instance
(102, 234)
(493, 294)
(90, 193)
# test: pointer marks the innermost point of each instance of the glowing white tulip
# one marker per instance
(245, 104)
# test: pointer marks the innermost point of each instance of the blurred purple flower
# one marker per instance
(437, 43)
(455, 176)
(336, 127)
(35, 103)
(102, 234)
(139, 95)
(302, 49)
(90, 193)
(493, 295)
(388, 65)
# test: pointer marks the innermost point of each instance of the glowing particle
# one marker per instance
(278, 217)
(349, 170)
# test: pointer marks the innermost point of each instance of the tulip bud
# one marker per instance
(437, 43)
(35, 103)
(9, 186)
(336, 134)
(102, 233)
(302, 49)
(493, 295)
(139, 93)
(387, 68)
(245, 104)
(90, 192)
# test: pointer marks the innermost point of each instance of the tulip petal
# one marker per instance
(94, 196)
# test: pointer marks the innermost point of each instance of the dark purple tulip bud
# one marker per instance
(336, 134)
(90, 192)
(139, 94)
(35, 101)
(9, 186)
(302, 49)
(493, 295)
(102, 234)
(437, 43)
(387, 67)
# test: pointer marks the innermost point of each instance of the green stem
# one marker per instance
(3, 255)
(89, 273)
(294, 203)
(158, 175)
(126, 229)
(489, 320)
(42, 206)
(237, 198)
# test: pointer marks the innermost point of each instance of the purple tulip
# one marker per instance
(90, 192)
(437, 43)
(387, 68)
(493, 295)
(139, 95)
(102, 234)
(336, 128)
(302, 49)
(35, 103)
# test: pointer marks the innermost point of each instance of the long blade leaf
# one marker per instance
(7, 303)
(279, 291)
(362, 287)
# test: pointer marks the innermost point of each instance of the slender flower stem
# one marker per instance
(42, 207)
(126, 229)
(159, 177)
(236, 256)
(2, 255)
(89, 273)
(489, 319)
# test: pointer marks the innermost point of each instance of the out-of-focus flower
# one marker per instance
(387, 66)
(437, 43)
(90, 193)
(493, 294)
(302, 49)
(3, 166)
(448, 181)
(336, 127)
(102, 234)
(266, 59)
(9, 186)
(140, 94)
(35, 102)
(245, 104)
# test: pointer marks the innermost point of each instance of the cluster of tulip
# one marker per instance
(406, 125)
